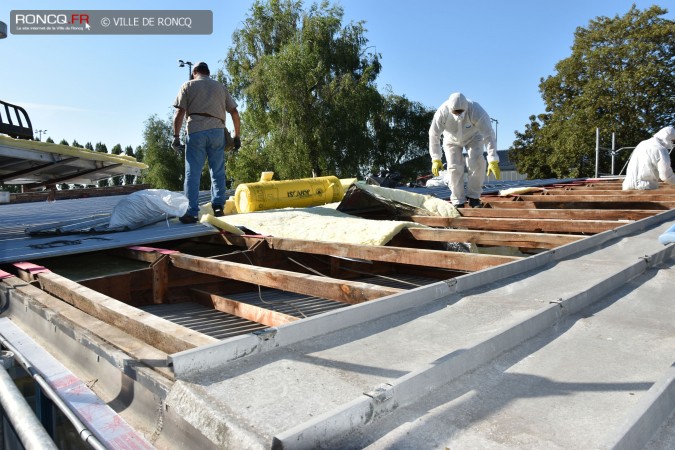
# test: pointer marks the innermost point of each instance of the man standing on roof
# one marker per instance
(463, 124)
(205, 101)
(650, 161)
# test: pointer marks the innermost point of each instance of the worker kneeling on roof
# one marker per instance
(650, 162)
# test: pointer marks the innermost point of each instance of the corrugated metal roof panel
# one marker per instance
(17, 245)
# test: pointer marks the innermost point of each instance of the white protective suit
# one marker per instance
(650, 161)
(471, 129)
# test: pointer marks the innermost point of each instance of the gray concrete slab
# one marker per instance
(304, 384)
(567, 388)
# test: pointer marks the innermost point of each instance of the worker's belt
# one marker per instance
(206, 115)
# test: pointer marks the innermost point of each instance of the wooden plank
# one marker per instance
(561, 203)
(160, 333)
(494, 238)
(570, 214)
(526, 225)
(597, 191)
(139, 253)
(243, 310)
(61, 312)
(619, 197)
(419, 257)
(324, 287)
(160, 279)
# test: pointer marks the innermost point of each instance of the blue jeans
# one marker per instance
(199, 146)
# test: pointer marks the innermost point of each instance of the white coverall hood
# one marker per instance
(458, 101)
(666, 136)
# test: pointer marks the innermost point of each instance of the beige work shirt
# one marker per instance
(206, 102)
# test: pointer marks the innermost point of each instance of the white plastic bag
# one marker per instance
(146, 207)
(441, 180)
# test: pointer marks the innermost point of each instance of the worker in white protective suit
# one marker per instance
(463, 124)
(650, 162)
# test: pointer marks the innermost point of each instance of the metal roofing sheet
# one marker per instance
(37, 163)
(492, 187)
(17, 245)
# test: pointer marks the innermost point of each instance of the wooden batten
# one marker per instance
(160, 333)
(525, 225)
(567, 214)
(563, 203)
(160, 279)
(240, 309)
(324, 287)
(494, 238)
(619, 196)
(420, 257)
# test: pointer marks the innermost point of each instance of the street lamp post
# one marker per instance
(40, 134)
(182, 63)
(496, 129)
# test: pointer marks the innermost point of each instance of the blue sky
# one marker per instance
(103, 88)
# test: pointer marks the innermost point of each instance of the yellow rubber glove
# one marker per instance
(436, 165)
(494, 168)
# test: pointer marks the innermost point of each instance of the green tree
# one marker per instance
(308, 87)
(166, 167)
(116, 181)
(129, 151)
(139, 155)
(529, 153)
(101, 148)
(619, 78)
(50, 140)
(400, 134)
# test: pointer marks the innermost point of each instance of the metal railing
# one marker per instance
(25, 423)
(613, 152)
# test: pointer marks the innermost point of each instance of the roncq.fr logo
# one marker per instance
(51, 19)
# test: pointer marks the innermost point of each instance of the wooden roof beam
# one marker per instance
(619, 197)
(518, 224)
(244, 310)
(414, 256)
(612, 192)
(562, 203)
(324, 287)
(160, 333)
(493, 238)
(573, 214)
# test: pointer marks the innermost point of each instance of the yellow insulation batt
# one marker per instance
(264, 195)
(314, 224)
(67, 150)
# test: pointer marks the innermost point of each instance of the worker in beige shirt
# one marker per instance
(205, 102)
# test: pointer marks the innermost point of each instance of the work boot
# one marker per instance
(218, 211)
(474, 202)
(458, 205)
(186, 219)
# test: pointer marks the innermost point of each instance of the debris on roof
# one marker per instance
(294, 339)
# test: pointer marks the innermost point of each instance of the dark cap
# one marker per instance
(201, 67)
